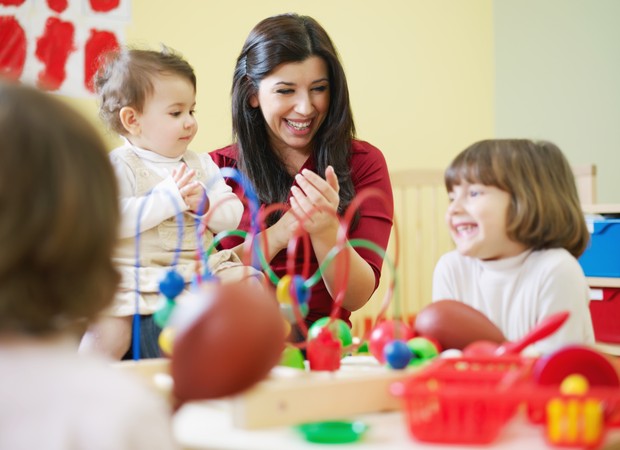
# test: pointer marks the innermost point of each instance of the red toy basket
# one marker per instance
(461, 400)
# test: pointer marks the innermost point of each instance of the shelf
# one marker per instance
(602, 208)
(607, 348)
(597, 282)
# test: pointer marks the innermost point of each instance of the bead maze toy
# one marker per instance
(191, 349)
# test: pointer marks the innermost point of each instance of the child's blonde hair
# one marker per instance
(545, 211)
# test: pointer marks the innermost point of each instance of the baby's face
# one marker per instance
(476, 219)
(167, 124)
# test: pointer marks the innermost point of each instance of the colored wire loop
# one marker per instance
(254, 251)
(135, 333)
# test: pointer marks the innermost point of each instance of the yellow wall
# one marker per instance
(420, 72)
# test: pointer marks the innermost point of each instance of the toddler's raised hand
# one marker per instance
(195, 197)
(183, 176)
(191, 190)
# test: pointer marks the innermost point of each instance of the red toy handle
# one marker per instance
(543, 329)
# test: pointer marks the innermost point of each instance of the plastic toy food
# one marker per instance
(596, 368)
(333, 432)
(229, 341)
(543, 329)
(456, 325)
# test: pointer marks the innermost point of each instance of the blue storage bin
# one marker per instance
(602, 257)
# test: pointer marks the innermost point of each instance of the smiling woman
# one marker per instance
(294, 100)
(295, 141)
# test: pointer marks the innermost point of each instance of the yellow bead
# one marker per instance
(165, 340)
(574, 384)
(283, 290)
(287, 327)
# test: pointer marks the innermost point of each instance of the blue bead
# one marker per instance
(397, 354)
(302, 293)
(172, 284)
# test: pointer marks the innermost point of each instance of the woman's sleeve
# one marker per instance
(369, 171)
(228, 209)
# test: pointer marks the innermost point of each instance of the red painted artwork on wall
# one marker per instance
(57, 5)
(98, 44)
(13, 53)
(53, 48)
(57, 44)
(11, 2)
(104, 5)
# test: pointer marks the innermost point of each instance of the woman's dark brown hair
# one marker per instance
(59, 209)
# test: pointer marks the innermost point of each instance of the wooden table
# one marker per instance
(209, 425)
(214, 424)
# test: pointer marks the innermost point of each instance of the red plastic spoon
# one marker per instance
(542, 329)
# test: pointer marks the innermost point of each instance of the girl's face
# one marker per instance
(294, 100)
(476, 218)
(167, 124)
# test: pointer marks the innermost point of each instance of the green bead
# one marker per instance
(162, 315)
(338, 327)
(423, 350)
(292, 357)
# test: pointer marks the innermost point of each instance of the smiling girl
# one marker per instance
(517, 224)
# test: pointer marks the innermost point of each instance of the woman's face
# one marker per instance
(294, 100)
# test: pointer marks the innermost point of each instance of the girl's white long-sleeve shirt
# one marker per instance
(517, 293)
(165, 200)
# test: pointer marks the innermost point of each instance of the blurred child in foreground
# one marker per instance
(59, 209)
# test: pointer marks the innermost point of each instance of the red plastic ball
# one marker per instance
(387, 331)
(233, 340)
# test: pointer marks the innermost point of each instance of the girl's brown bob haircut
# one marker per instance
(545, 211)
